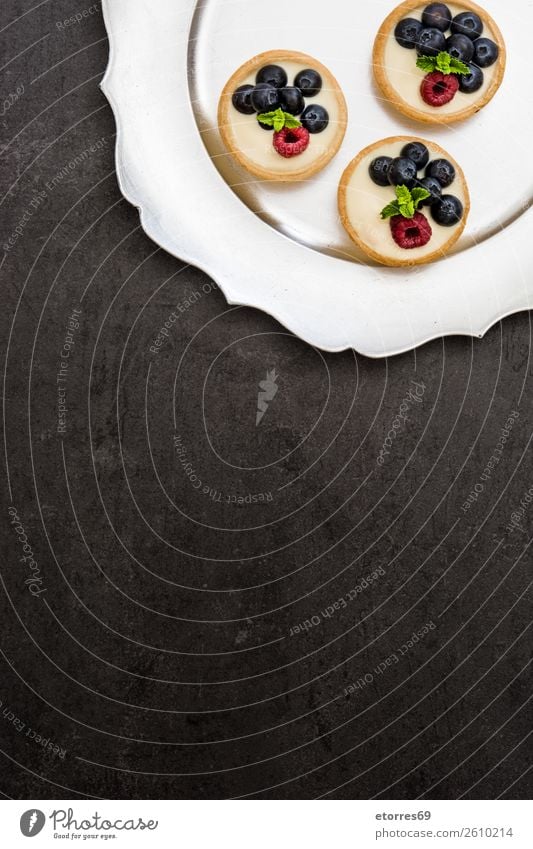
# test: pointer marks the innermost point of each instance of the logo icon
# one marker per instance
(267, 392)
(32, 822)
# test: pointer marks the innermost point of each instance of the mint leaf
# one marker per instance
(278, 119)
(426, 63)
(419, 195)
(444, 63)
(458, 67)
(391, 209)
(403, 194)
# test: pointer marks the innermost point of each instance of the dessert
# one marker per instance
(283, 116)
(404, 201)
(441, 62)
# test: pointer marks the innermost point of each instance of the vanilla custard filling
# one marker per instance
(365, 201)
(406, 79)
(257, 145)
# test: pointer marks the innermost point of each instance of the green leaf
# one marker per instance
(403, 194)
(418, 195)
(457, 67)
(443, 62)
(426, 63)
(278, 119)
(391, 209)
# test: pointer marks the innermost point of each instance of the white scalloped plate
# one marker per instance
(281, 248)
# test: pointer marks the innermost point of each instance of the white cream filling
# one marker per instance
(257, 144)
(406, 79)
(365, 200)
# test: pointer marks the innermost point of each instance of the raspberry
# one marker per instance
(438, 89)
(411, 233)
(292, 142)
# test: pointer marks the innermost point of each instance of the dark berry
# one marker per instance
(437, 15)
(460, 47)
(447, 211)
(267, 127)
(402, 172)
(418, 152)
(379, 170)
(242, 100)
(432, 186)
(430, 42)
(469, 83)
(439, 89)
(467, 23)
(272, 75)
(441, 170)
(315, 118)
(291, 142)
(309, 82)
(411, 233)
(486, 52)
(291, 99)
(407, 32)
(265, 98)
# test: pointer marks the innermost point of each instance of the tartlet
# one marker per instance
(455, 94)
(294, 85)
(376, 192)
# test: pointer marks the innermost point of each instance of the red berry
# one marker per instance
(438, 89)
(292, 142)
(411, 233)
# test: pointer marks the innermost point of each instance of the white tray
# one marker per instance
(282, 248)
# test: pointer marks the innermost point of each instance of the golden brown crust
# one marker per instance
(393, 98)
(367, 249)
(273, 57)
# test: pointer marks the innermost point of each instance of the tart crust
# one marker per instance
(381, 73)
(273, 57)
(410, 260)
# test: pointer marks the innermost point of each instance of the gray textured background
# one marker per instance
(159, 651)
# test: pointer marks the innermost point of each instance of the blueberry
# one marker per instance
(430, 42)
(447, 211)
(467, 23)
(460, 47)
(407, 32)
(265, 98)
(242, 100)
(486, 52)
(291, 99)
(315, 118)
(267, 127)
(433, 187)
(437, 15)
(402, 172)
(272, 75)
(418, 152)
(442, 170)
(379, 170)
(309, 82)
(469, 83)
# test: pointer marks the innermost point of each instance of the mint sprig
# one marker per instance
(279, 119)
(443, 62)
(406, 203)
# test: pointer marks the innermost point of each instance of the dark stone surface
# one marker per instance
(157, 650)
